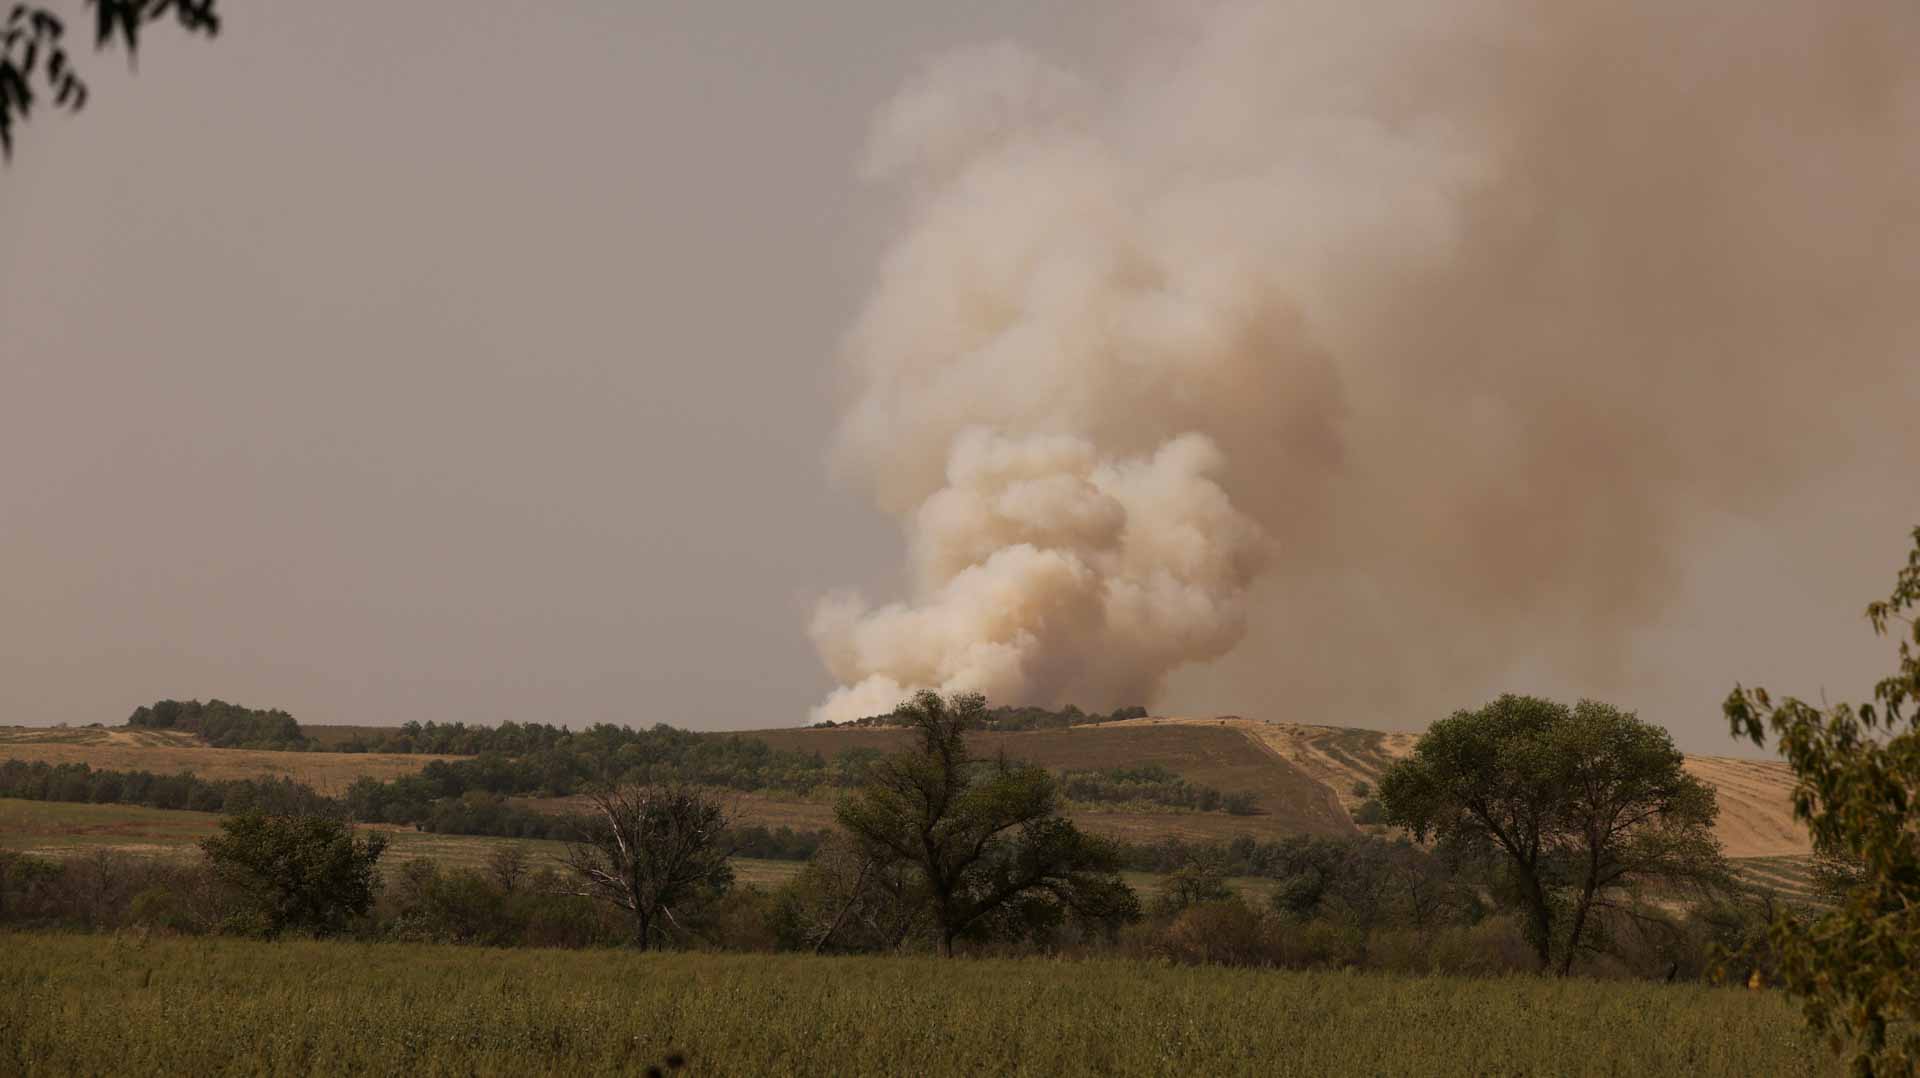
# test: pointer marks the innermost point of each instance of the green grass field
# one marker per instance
(96, 1005)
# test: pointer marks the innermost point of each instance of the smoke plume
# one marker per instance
(1430, 333)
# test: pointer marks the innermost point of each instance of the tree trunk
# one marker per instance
(1541, 917)
(854, 897)
(1579, 924)
(642, 934)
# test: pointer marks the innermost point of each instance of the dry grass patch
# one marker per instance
(169, 752)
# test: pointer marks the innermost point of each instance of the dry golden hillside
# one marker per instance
(170, 751)
(1756, 808)
(1291, 801)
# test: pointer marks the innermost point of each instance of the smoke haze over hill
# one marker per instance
(1432, 338)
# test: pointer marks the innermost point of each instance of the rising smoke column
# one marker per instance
(1422, 335)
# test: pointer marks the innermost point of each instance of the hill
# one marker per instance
(124, 748)
(1305, 774)
(1302, 776)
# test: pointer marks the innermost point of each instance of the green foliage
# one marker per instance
(42, 781)
(986, 840)
(460, 739)
(302, 874)
(1857, 787)
(1584, 804)
(846, 900)
(1003, 719)
(223, 725)
(572, 761)
(33, 50)
(1192, 885)
(1150, 784)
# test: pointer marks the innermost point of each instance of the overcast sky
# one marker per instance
(381, 363)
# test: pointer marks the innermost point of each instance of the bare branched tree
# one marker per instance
(650, 849)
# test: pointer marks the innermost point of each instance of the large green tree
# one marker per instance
(33, 50)
(984, 839)
(1857, 787)
(307, 873)
(1584, 805)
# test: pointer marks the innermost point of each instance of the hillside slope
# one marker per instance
(1291, 801)
(1756, 803)
(168, 752)
(1302, 775)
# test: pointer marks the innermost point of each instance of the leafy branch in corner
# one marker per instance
(33, 51)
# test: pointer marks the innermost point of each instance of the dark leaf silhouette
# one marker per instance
(32, 49)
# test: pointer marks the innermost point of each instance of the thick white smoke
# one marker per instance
(1406, 321)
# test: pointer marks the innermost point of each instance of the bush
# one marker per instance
(1226, 933)
(306, 874)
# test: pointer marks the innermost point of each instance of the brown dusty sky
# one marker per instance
(380, 365)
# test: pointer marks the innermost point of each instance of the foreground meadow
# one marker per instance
(92, 1005)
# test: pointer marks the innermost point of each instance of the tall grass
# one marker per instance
(95, 1005)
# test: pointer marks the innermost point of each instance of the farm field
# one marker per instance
(59, 829)
(168, 752)
(92, 1005)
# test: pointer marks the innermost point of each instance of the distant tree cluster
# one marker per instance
(223, 725)
(1152, 784)
(1005, 719)
(600, 755)
(458, 738)
(42, 781)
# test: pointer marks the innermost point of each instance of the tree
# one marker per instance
(985, 839)
(305, 873)
(649, 848)
(33, 50)
(1857, 788)
(1193, 884)
(845, 899)
(1583, 804)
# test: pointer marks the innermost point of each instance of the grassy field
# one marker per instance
(168, 752)
(59, 829)
(96, 1005)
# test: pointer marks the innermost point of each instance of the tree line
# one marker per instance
(1152, 784)
(1012, 718)
(222, 725)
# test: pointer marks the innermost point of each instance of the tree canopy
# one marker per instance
(1857, 788)
(1581, 803)
(985, 839)
(304, 873)
(648, 849)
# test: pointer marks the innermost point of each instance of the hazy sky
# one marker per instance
(379, 364)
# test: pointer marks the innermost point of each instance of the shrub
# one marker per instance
(294, 873)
